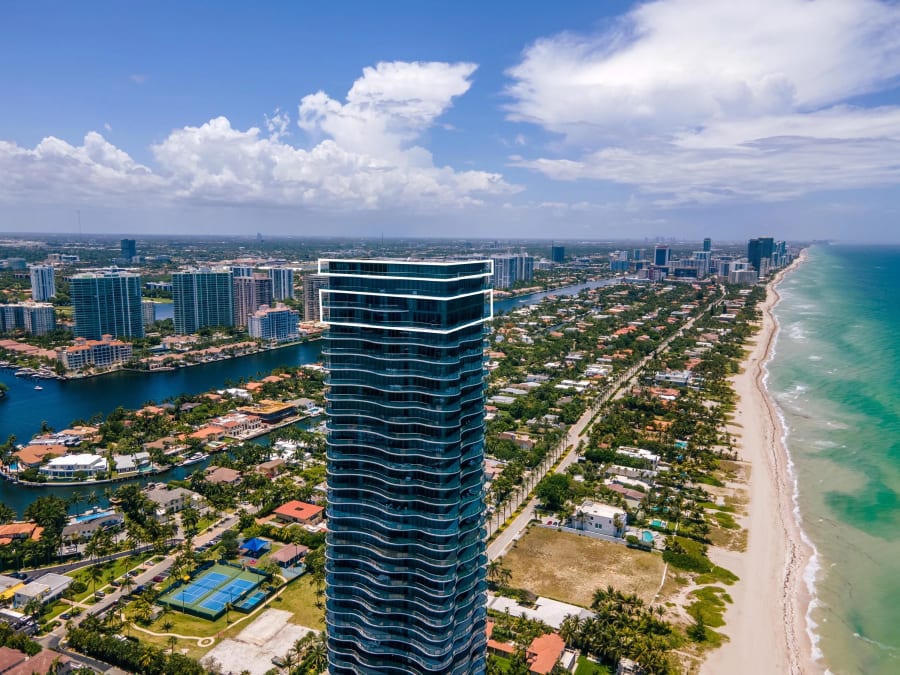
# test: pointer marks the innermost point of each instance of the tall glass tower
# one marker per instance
(107, 303)
(405, 556)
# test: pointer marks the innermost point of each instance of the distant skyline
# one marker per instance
(684, 118)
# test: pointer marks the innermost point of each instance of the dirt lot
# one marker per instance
(570, 567)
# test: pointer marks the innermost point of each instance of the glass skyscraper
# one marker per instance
(107, 303)
(405, 555)
(201, 298)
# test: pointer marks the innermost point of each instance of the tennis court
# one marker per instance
(207, 594)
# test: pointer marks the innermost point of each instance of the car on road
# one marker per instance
(99, 595)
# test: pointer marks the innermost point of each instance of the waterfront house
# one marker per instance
(83, 530)
(131, 463)
(72, 466)
(172, 501)
(299, 512)
(220, 475)
(11, 532)
(32, 456)
(43, 589)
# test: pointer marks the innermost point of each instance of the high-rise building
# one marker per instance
(707, 244)
(524, 267)
(661, 255)
(128, 248)
(405, 550)
(201, 298)
(148, 313)
(250, 293)
(278, 323)
(557, 254)
(759, 253)
(311, 285)
(107, 302)
(35, 318)
(505, 271)
(242, 270)
(43, 282)
(282, 283)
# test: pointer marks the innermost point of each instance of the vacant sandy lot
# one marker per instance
(570, 567)
(253, 649)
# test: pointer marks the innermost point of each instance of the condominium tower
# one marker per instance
(282, 283)
(250, 293)
(43, 282)
(311, 285)
(405, 549)
(107, 302)
(201, 298)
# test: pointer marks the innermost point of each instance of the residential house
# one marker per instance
(8, 587)
(600, 518)
(19, 532)
(131, 463)
(84, 530)
(32, 456)
(220, 475)
(172, 501)
(45, 662)
(71, 466)
(299, 512)
(289, 556)
(544, 653)
(271, 468)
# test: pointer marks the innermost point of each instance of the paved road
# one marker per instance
(578, 432)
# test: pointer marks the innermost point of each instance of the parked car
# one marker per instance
(158, 578)
(99, 595)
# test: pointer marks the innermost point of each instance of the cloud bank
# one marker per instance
(700, 101)
(363, 156)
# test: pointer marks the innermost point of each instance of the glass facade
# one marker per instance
(405, 555)
(107, 303)
(202, 298)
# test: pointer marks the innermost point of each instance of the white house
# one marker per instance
(600, 518)
(44, 589)
(68, 465)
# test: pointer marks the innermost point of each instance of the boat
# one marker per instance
(193, 459)
(38, 387)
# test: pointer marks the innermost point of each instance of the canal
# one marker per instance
(58, 403)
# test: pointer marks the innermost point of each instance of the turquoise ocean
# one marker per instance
(835, 377)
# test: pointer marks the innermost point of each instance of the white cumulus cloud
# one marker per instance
(708, 100)
(363, 155)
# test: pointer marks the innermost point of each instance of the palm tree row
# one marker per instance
(622, 627)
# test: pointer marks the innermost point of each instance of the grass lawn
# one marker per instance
(585, 666)
(300, 600)
(545, 561)
(118, 566)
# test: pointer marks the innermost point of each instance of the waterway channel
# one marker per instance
(59, 402)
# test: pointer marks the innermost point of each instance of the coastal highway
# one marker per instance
(578, 432)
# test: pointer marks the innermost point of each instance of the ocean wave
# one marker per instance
(813, 566)
(797, 332)
(814, 357)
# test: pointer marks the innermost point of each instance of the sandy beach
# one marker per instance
(766, 623)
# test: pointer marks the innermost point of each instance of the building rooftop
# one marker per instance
(298, 510)
(289, 552)
(544, 652)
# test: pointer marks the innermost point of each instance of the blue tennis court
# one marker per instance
(209, 593)
(229, 593)
(199, 587)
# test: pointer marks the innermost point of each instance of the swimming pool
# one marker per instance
(647, 537)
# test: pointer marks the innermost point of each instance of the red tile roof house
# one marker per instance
(299, 512)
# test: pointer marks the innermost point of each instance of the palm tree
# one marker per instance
(95, 574)
(92, 499)
(172, 641)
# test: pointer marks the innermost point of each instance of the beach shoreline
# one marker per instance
(767, 625)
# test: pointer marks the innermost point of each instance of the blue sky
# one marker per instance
(566, 119)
